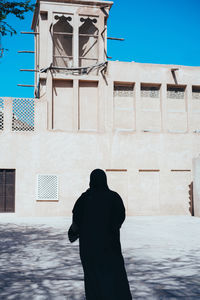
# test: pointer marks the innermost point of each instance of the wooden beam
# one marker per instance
(26, 85)
(116, 170)
(115, 39)
(177, 170)
(24, 32)
(28, 70)
(47, 200)
(90, 35)
(148, 170)
(63, 33)
(25, 51)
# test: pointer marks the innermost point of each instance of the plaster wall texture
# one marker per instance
(139, 164)
(73, 155)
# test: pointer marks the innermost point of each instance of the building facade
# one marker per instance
(139, 122)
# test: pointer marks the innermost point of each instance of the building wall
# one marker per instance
(150, 166)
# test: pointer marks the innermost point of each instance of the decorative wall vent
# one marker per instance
(23, 114)
(123, 90)
(196, 92)
(150, 91)
(174, 92)
(47, 187)
(1, 114)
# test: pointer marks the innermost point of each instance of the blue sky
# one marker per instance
(155, 31)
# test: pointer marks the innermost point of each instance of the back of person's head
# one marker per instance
(98, 179)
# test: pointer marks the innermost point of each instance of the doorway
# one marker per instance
(7, 190)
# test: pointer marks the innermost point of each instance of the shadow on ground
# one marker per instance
(163, 279)
(38, 262)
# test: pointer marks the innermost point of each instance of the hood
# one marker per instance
(98, 179)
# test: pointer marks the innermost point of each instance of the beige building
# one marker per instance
(139, 122)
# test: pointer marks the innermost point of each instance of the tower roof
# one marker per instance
(95, 3)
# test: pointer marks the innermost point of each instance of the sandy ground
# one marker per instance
(162, 256)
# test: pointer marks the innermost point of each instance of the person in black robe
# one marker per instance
(97, 217)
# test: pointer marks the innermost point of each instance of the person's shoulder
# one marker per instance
(80, 201)
(81, 197)
(86, 192)
(114, 194)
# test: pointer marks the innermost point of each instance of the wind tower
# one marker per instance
(70, 60)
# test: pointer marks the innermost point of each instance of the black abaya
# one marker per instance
(99, 214)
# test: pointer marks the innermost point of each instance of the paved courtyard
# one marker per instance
(162, 256)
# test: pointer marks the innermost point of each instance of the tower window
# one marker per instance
(62, 41)
(88, 41)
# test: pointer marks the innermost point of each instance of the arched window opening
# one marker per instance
(88, 41)
(62, 41)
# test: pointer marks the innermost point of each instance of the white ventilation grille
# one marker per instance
(47, 187)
